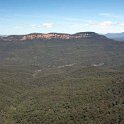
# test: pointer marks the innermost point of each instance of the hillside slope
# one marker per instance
(93, 50)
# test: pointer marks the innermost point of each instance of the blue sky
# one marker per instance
(67, 16)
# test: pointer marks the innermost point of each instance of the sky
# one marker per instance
(65, 16)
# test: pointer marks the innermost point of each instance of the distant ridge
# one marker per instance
(116, 36)
(32, 36)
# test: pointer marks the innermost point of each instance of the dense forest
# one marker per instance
(62, 81)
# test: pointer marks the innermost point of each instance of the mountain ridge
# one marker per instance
(32, 36)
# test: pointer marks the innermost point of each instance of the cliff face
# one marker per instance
(46, 36)
(51, 36)
(58, 36)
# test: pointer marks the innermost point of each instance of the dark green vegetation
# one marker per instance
(62, 82)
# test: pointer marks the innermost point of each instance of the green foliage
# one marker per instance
(62, 82)
(55, 53)
(68, 95)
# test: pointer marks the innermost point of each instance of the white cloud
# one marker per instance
(73, 19)
(111, 15)
(18, 27)
(105, 23)
(36, 26)
(105, 14)
(121, 24)
(44, 25)
(47, 25)
(71, 27)
(33, 26)
(110, 24)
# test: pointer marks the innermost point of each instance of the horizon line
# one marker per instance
(59, 33)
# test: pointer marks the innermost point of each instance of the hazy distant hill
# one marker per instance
(116, 36)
